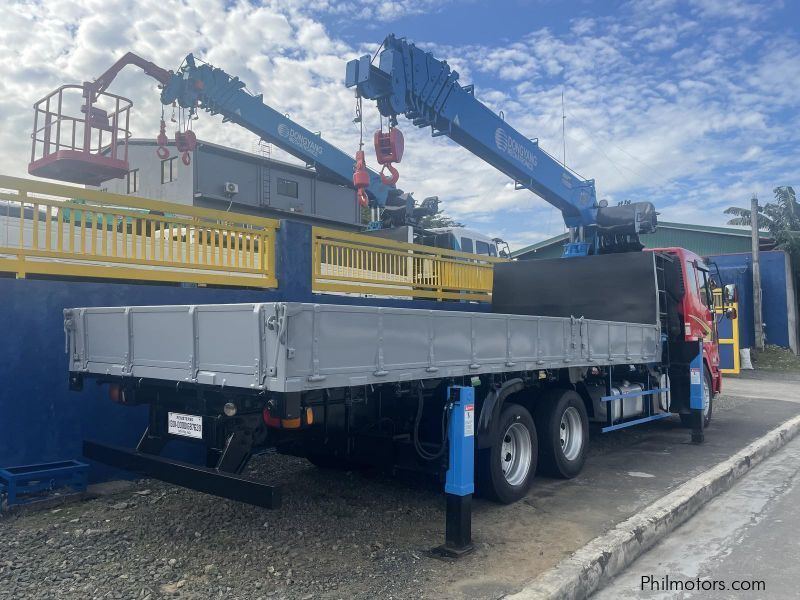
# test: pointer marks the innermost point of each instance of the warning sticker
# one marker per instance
(469, 420)
(695, 376)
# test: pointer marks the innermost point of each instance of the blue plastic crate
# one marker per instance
(31, 483)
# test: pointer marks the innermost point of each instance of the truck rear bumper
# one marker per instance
(202, 479)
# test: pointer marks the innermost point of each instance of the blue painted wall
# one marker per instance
(40, 420)
(776, 298)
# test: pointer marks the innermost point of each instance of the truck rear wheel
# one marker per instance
(563, 426)
(505, 470)
(708, 403)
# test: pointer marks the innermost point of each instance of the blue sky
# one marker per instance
(692, 105)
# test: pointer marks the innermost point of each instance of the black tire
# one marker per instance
(562, 410)
(515, 422)
(687, 418)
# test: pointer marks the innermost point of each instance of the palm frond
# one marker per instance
(742, 218)
(740, 221)
(739, 212)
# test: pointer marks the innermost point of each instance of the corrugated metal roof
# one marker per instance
(700, 239)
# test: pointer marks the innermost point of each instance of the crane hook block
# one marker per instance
(162, 140)
(389, 146)
(186, 142)
(361, 178)
(388, 150)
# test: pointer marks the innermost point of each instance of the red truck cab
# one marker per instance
(697, 309)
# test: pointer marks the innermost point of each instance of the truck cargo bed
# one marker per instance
(292, 347)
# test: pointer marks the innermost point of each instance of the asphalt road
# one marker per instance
(747, 537)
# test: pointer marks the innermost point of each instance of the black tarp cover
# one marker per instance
(610, 287)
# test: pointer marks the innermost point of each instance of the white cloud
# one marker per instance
(734, 9)
(693, 110)
(369, 10)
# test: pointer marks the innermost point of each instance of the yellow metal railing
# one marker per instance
(59, 230)
(361, 264)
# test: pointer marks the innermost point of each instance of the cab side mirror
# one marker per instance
(729, 293)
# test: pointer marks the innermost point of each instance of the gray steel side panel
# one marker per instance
(288, 347)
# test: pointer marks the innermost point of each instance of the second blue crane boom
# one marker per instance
(412, 82)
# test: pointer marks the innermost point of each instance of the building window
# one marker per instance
(169, 169)
(287, 187)
(133, 181)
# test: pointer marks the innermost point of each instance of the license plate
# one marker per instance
(185, 425)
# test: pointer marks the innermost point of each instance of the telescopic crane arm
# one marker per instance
(413, 83)
(217, 92)
(201, 86)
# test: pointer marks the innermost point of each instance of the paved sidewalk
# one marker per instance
(747, 535)
(763, 385)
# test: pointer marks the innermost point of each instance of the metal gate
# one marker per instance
(728, 331)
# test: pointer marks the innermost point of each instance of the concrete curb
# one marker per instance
(590, 567)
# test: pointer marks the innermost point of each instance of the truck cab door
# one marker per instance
(705, 311)
(698, 302)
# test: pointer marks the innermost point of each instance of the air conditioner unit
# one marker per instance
(231, 188)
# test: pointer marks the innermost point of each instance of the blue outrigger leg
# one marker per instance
(696, 396)
(460, 480)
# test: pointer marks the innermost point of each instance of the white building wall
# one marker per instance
(144, 159)
(202, 183)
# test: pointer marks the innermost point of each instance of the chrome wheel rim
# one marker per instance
(571, 433)
(706, 397)
(515, 453)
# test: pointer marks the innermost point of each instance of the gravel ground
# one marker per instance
(330, 539)
(358, 535)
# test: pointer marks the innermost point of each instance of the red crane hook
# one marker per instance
(162, 140)
(361, 179)
(186, 142)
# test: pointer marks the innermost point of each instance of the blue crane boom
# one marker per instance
(194, 86)
(217, 92)
(426, 90)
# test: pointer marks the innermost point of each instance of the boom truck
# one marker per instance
(610, 336)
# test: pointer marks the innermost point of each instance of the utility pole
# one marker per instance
(758, 322)
(563, 128)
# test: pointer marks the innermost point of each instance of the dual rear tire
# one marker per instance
(563, 423)
(554, 440)
(504, 471)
